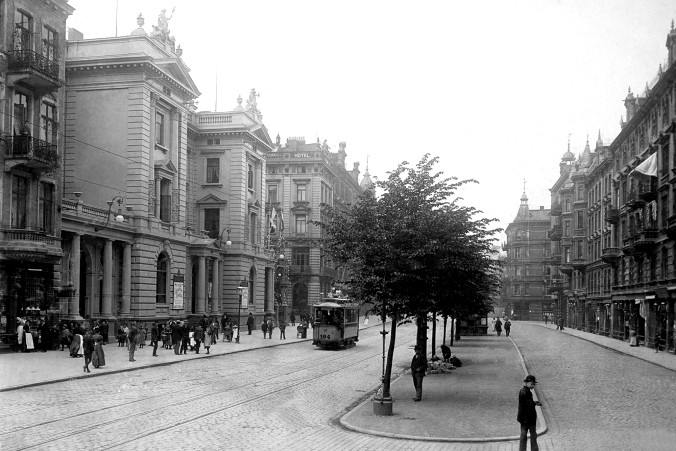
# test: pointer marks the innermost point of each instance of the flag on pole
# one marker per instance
(648, 167)
(273, 221)
(281, 221)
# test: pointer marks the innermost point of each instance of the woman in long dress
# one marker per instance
(98, 357)
(76, 346)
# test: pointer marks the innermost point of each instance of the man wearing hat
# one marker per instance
(527, 415)
(418, 367)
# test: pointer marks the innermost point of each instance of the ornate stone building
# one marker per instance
(32, 105)
(300, 178)
(226, 196)
(527, 264)
(625, 196)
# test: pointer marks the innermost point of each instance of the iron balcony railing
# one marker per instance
(24, 146)
(29, 60)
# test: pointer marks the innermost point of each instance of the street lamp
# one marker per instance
(227, 240)
(118, 217)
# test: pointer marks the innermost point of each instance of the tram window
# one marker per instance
(351, 316)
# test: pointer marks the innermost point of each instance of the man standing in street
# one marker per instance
(133, 340)
(508, 326)
(418, 367)
(176, 336)
(527, 415)
(154, 337)
(250, 323)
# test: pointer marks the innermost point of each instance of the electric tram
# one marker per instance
(336, 323)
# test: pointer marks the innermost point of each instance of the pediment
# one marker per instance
(210, 199)
(179, 71)
(262, 133)
(166, 168)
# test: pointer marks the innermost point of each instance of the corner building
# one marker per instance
(300, 178)
(32, 104)
(527, 264)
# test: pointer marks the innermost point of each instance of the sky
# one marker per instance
(496, 89)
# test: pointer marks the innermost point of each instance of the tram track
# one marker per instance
(123, 415)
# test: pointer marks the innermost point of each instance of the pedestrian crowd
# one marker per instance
(85, 339)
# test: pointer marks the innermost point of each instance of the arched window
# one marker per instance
(161, 283)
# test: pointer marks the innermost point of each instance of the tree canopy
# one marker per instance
(414, 249)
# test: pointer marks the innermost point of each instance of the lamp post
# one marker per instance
(118, 217)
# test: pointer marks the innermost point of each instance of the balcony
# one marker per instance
(556, 209)
(32, 69)
(613, 215)
(647, 192)
(300, 269)
(566, 268)
(30, 245)
(29, 152)
(645, 240)
(555, 233)
(579, 233)
(611, 255)
(579, 264)
(634, 201)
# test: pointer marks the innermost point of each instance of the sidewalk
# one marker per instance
(39, 368)
(664, 359)
(474, 403)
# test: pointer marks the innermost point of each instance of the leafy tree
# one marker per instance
(413, 250)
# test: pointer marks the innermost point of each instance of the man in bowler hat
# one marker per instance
(418, 367)
(527, 415)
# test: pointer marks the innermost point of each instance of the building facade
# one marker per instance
(32, 105)
(300, 178)
(619, 204)
(226, 195)
(527, 264)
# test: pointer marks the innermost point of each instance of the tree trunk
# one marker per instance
(390, 358)
(445, 319)
(421, 341)
(452, 329)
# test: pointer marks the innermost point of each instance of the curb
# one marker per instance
(145, 366)
(344, 422)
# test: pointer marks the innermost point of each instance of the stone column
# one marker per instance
(107, 279)
(74, 305)
(200, 302)
(215, 289)
(174, 144)
(126, 279)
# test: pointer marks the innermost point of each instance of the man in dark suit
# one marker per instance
(154, 337)
(418, 368)
(176, 336)
(527, 415)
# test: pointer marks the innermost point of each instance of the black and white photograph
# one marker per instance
(326, 226)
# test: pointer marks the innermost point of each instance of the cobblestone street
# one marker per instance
(290, 396)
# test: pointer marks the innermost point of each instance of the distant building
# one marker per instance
(526, 265)
(300, 178)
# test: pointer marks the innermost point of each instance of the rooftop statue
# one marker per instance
(162, 27)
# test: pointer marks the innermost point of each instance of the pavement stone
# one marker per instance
(484, 389)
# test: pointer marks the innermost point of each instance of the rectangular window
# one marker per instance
(301, 224)
(250, 177)
(165, 200)
(23, 31)
(50, 44)
(301, 258)
(19, 196)
(46, 208)
(272, 193)
(580, 219)
(212, 221)
(48, 117)
(159, 129)
(21, 113)
(213, 170)
(566, 228)
(301, 192)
